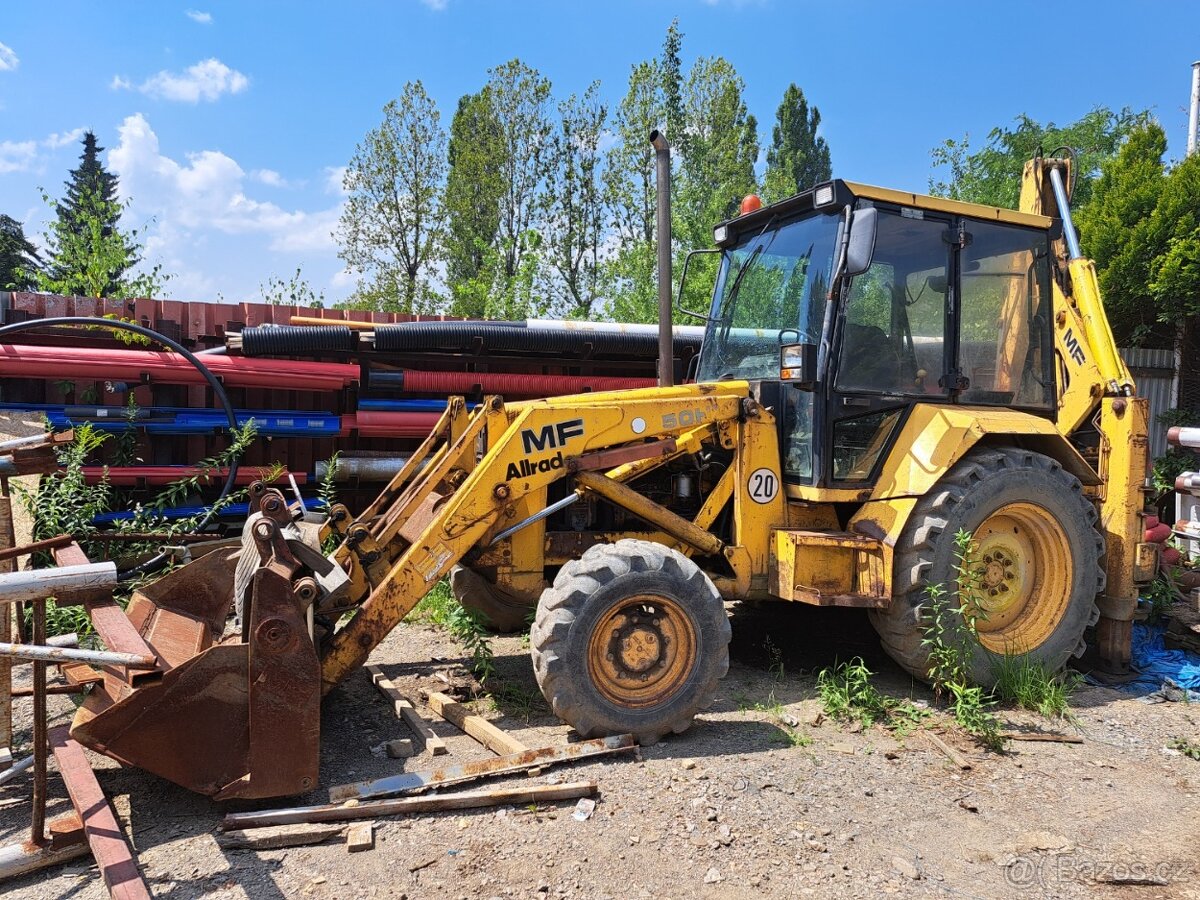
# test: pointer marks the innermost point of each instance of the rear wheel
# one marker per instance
(632, 637)
(1038, 552)
(497, 611)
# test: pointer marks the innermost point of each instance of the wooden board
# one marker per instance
(499, 742)
(405, 710)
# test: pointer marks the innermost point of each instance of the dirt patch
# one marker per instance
(742, 805)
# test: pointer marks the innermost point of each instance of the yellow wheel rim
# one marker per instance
(1025, 575)
(642, 651)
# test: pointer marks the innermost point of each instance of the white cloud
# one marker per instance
(204, 18)
(335, 179)
(436, 5)
(270, 177)
(63, 139)
(8, 59)
(206, 80)
(17, 156)
(204, 197)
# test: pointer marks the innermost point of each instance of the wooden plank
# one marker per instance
(104, 834)
(336, 812)
(953, 755)
(1053, 737)
(107, 617)
(360, 836)
(278, 837)
(405, 710)
(499, 742)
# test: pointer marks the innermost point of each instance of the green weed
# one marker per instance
(774, 659)
(439, 609)
(1186, 747)
(847, 695)
(1027, 684)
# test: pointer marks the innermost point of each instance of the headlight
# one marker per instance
(823, 195)
(720, 234)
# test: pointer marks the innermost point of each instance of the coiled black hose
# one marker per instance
(270, 340)
(156, 562)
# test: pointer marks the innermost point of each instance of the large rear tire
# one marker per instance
(1038, 549)
(631, 638)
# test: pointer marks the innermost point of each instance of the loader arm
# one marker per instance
(453, 504)
(1097, 390)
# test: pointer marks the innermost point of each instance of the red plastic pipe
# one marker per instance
(390, 424)
(126, 476)
(31, 361)
(514, 383)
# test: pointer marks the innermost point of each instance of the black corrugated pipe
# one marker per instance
(662, 166)
(495, 336)
(276, 340)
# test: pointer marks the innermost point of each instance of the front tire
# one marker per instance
(631, 638)
(1036, 543)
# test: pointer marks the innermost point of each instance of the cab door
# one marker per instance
(894, 343)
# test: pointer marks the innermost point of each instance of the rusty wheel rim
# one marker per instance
(1026, 573)
(642, 651)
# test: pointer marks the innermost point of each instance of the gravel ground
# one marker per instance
(739, 806)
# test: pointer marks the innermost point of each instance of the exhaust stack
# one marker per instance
(666, 346)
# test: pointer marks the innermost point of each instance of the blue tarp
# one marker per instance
(1158, 666)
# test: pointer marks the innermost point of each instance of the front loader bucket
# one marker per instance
(226, 715)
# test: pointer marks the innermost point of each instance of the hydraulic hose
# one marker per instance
(158, 561)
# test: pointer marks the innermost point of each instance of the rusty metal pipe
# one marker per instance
(64, 583)
(37, 824)
(42, 654)
(666, 345)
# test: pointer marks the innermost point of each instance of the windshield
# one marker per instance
(771, 290)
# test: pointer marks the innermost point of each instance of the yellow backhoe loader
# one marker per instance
(879, 371)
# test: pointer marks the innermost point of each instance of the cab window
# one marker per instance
(894, 325)
(1004, 339)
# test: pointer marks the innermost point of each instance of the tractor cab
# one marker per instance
(848, 305)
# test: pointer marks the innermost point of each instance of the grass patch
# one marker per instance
(1028, 684)
(439, 609)
(518, 701)
(1188, 748)
(847, 695)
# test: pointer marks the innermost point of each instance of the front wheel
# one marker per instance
(1038, 556)
(631, 638)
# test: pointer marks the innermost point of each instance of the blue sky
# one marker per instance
(228, 121)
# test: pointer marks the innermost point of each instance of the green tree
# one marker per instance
(1116, 232)
(798, 157)
(520, 99)
(89, 256)
(670, 74)
(19, 261)
(392, 219)
(575, 199)
(87, 251)
(717, 170)
(472, 203)
(992, 175)
(87, 181)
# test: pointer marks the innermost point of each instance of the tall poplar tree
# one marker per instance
(798, 157)
(392, 220)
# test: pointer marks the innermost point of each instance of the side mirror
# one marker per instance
(798, 365)
(861, 247)
(704, 317)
